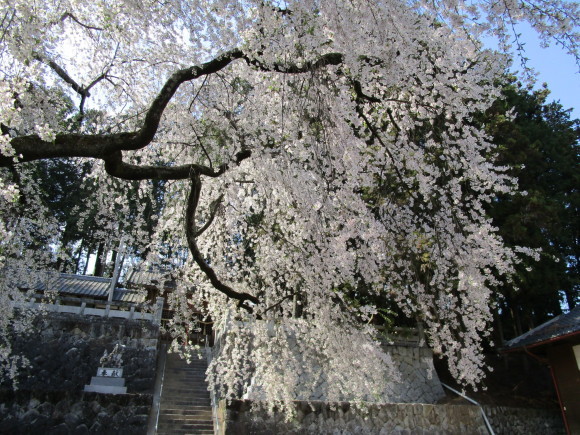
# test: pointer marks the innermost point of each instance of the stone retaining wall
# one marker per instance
(418, 383)
(394, 418)
(64, 354)
(65, 412)
(524, 421)
(419, 380)
(65, 351)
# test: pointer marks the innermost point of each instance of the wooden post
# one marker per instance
(117, 271)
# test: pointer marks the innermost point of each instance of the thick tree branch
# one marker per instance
(32, 147)
(115, 166)
(322, 61)
(101, 146)
(191, 234)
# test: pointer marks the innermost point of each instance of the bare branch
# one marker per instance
(62, 74)
(280, 301)
(115, 166)
(72, 17)
(216, 204)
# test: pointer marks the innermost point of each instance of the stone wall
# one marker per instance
(420, 383)
(524, 421)
(65, 350)
(64, 353)
(65, 412)
(240, 418)
(342, 418)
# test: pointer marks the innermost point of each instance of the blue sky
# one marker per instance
(556, 68)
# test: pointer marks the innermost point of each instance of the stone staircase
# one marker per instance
(185, 406)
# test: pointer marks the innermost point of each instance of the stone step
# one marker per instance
(187, 409)
(170, 419)
(183, 366)
(192, 397)
(188, 404)
(193, 386)
(188, 383)
(185, 401)
(181, 378)
(185, 426)
(181, 401)
(194, 377)
(185, 432)
(190, 411)
(181, 391)
(192, 389)
(193, 419)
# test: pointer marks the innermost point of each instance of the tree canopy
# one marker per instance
(303, 147)
(539, 142)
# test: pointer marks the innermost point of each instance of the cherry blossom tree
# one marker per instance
(305, 147)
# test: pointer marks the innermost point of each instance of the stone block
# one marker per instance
(104, 389)
(106, 381)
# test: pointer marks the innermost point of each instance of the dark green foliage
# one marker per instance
(541, 147)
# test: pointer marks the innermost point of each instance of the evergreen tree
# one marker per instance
(540, 145)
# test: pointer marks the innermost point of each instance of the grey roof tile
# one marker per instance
(88, 286)
(560, 326)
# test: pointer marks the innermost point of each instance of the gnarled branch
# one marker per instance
(192, 233)
(32, 147)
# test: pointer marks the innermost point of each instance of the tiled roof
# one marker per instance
(79, 285)
(125, 295)
(149, 277)
(94, 287)
(558, 327)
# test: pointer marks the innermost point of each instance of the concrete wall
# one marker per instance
(393, 418)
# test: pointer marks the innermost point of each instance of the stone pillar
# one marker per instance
(158, 311)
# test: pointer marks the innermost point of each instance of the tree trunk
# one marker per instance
(79, 256)
(114, 254)
(570, 299)
(99, 263)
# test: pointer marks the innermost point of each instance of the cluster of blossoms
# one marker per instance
(327, 151)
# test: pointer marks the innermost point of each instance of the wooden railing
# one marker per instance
(101, 308)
